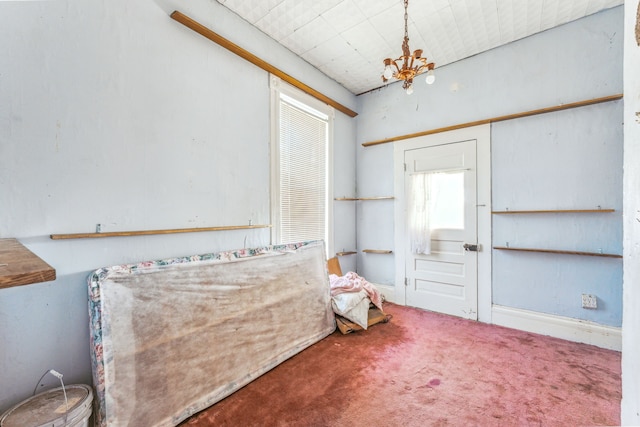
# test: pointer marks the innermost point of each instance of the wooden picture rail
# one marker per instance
(556, 251)
(554, 211)
(497, 119)
(232, 47)
(152, 232)
(366, 198)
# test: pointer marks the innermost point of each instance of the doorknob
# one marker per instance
(470, 247)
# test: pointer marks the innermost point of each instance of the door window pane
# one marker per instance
(447, 201)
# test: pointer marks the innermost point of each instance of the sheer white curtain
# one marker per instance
(420, 200)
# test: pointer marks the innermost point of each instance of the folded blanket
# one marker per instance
(351, 282)
(353, 306)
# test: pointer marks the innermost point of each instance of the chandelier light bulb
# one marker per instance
(410, 90)
(388, 72)
(431, 77)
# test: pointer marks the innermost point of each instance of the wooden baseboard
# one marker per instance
(388, 291)
(557, 326)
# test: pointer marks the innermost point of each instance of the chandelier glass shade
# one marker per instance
(408, 65)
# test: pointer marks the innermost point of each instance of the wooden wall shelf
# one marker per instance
(555, 211)
(19, 266)
(366, 198)
(376, 251)
(555, 251)
(346, 253)
(151, 232)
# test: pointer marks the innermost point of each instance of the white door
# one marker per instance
(446, 279)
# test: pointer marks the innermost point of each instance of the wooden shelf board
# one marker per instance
(19, 266)
(555, 251)
(554, 211)
(376, 251)
(366, 198)
(151, 232)
(545, 110)
(346, 253)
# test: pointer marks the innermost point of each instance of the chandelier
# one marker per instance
(407, 66)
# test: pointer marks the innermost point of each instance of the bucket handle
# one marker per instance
(58, 375)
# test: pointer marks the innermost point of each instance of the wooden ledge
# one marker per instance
(498, 119)
(19, 266)
(152, 232)
(556, 251)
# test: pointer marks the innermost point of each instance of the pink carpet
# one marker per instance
(428, 369)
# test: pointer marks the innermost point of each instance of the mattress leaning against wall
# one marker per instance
(170, 338)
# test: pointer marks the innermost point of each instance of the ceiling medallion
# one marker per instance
(407, 66)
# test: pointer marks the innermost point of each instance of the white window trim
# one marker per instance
(277, 87)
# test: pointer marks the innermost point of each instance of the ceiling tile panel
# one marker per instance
(285, 18)
(579, 8)
(309, 36)
(596, 5)
(490, 22)
(251, 11)
(443, 34)
(326, 52)
(433, 55)
(366, 40)
(343, 16)
(345, 70)
(459, 41)
(418, 9)
(348, 39)
(318, 7)
(534, 16)
(373, 7)
(466, 28)
(435, 45)
(390, 26)
(507, 20)
(549, 15)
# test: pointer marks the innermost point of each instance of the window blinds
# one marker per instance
(303, 172)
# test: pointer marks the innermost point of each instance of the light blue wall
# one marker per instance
(113, 113)
(570, 159)
(566, 160)
(630, 407)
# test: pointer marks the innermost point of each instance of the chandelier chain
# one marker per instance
(406, 17)
(408, 65)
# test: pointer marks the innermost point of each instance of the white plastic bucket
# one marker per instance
(49, 409)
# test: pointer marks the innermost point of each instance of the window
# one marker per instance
(301, 165)
(447, 207)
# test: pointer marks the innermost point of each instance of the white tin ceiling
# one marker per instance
(348, 39)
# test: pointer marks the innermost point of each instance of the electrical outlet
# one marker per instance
(589, 301)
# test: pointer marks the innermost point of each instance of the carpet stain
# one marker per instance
(434, 382)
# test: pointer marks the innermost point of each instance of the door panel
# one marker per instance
(445, 280)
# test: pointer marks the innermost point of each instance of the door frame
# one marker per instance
(482, 134)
